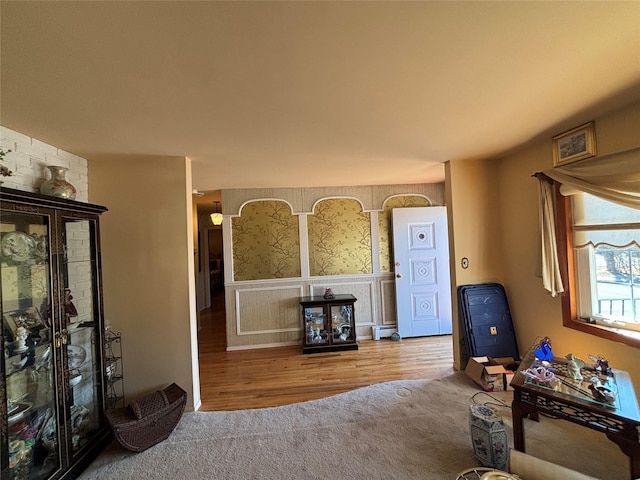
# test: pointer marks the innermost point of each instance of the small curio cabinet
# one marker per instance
(52, 372)
(328, 323)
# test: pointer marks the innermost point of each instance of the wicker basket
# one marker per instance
(149, 420)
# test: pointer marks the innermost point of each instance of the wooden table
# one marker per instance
(619, 421)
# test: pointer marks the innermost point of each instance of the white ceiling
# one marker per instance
(283, 94)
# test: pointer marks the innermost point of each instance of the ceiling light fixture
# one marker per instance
(197, 193)
(216, 217)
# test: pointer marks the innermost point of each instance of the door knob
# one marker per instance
(399, 275)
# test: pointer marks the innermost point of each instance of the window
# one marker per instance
(601, 263)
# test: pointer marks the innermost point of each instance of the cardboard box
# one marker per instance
(508, 363)
(508, 376)
(489, 372)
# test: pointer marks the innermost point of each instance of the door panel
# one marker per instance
(30, 421)
(421, 256)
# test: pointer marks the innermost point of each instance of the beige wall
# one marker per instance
(476, 220)
(474, 231)
(148, 268)
(534, 311)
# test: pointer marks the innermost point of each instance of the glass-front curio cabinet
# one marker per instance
(329, 323)
(52, 389)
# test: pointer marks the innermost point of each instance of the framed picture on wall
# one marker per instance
(574, 145)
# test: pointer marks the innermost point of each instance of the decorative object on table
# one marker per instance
(4, 170)
(69, 307)
(488, 434)
(540, 374)
(575, 144)
(150, 420)
(543, 352)
(328, 293)
(574, 364)
(601, 364)
(57, 185)
(603, 392)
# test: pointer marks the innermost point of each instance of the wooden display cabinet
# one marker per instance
(52, 375)
(329, 323)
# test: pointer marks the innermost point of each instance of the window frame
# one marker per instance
(566, 260)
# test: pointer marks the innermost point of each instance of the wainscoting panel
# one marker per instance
(268, 313)
(267, 310)
(388, 297)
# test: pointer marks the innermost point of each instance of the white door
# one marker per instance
(421, 258)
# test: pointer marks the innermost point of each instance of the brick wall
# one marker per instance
(29, 158)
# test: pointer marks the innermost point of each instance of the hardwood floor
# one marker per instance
(271, 377)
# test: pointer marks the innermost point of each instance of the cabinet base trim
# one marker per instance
(331, 348)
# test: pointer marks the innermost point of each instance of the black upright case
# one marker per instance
(486, 321)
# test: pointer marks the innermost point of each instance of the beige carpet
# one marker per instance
(415, 429)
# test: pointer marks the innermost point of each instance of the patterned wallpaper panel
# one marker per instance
(384, 225)
(266, 243)
(339, 238)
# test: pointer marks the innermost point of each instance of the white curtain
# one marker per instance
(551, 279)
(614, 177)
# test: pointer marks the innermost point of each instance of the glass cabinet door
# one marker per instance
(29, 427)
(341, 324)
(315, 325)
(80, 331)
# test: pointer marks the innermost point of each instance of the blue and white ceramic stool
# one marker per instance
(489, 437)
